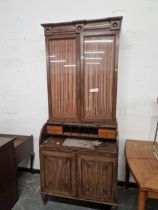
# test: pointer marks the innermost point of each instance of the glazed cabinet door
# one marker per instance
(99, 76)
(63, 75)
(97, 177)
(58, 173)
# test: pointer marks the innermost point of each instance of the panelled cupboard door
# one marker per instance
(58, 173)
(97, 178)
(62, 53)
(98, 76)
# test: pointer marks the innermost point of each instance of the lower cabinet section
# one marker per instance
(81, 175)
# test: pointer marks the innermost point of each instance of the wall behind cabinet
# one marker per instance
(23, 87)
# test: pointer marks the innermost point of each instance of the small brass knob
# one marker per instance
(48, 30)
(115, 25)
(79, 27)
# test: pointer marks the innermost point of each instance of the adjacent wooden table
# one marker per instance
(141, 162)
(8, 184)
(23, 146)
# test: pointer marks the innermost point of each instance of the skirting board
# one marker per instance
(119, 182)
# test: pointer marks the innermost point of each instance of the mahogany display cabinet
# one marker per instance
(78, 143)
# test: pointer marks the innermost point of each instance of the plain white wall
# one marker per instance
(23, 85)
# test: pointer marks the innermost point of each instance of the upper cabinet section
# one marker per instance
(82, 63)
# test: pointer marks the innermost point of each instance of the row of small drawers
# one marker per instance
(101, 132)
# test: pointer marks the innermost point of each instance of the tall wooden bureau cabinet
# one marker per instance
(78, 143)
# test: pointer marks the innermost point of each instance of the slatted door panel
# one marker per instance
(58, 173)
(97, 177)
(62, 78)
(99, 78)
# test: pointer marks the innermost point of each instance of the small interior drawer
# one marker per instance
(58, 130)
(107, 133)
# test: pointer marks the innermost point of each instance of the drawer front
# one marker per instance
(105, 133)
(57, 130)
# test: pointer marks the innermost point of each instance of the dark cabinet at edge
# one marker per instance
(8, 182)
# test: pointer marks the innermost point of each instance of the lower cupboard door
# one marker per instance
(58, 173)
(97, 178)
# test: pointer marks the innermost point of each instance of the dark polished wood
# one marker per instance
(82, 66)
(23, 146)
(8, 184)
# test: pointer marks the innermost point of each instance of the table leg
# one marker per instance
(127, 176)
(142, 196)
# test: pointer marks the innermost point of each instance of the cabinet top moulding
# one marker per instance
(111, 23)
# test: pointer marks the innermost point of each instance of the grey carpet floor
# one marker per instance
(30, 199)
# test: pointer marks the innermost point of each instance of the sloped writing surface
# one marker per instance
(80, 143)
